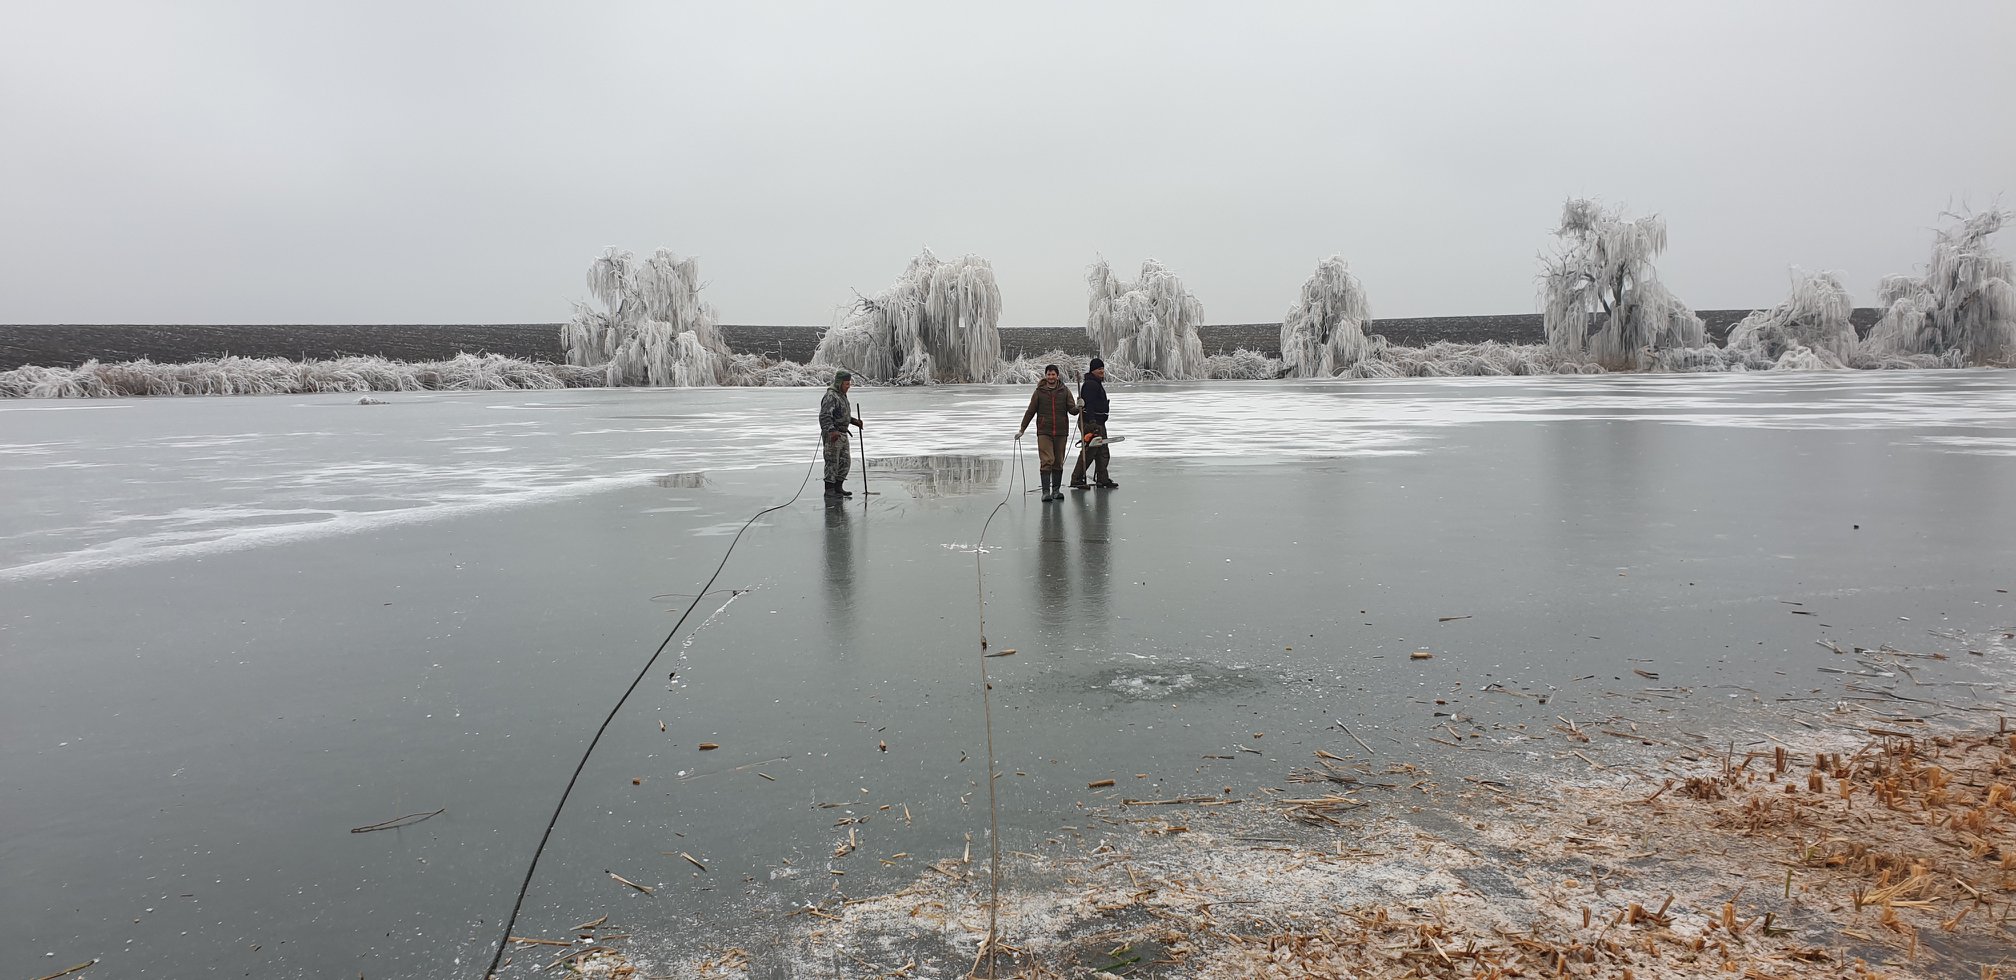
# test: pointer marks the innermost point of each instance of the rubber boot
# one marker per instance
(831, 489)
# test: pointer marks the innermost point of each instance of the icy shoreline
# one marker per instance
(70, 345)
(469, 372)
(1878, 843)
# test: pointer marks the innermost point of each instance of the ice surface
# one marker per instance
(234, 629)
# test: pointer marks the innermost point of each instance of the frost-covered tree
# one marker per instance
(1150, 323)
(655, 330)
(1814, 317)
(939, 322)
(1964, 303)
(1324, 332)
(1600, 294)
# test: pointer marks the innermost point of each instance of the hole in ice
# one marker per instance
(1194, 679)
(1152, 685)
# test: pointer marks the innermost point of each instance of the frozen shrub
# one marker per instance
(1600, 294)
(1813, 318)
(1964, 303)
(655, 330)
(1150, 323)
(1324, 332)
(939, 322)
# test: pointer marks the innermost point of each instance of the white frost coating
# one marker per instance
(1150, 323)
(1240, 365)
(1447, 359)
(939, 322)
(1813, 318)
(1963, 304)
(1324, 332)
(1795, 357)
(655, 331)
(277, 376)
(1603, 272)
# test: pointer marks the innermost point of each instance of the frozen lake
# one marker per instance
(234, 629)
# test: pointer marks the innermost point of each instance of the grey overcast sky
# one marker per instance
(356, 162)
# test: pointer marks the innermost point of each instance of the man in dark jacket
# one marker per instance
(1092, 429)
(835, 414)
(1052, 406)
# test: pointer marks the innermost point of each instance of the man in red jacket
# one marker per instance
(1052, 406)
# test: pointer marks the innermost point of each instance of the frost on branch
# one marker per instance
(1324, 332)
(1814, 319)
(655, 330)
(939, 322)
(1600, 294)
(1150, 323)
(1964, 304)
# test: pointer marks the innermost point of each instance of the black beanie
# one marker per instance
(1096, 364)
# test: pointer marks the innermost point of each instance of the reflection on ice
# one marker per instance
(940, 476)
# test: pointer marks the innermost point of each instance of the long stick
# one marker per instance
(1022, 461)
(861, 434)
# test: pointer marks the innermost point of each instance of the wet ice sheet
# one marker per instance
(94, 488)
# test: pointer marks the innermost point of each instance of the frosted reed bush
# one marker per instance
(757, 371)
(1240, 365)
(1911, 362)
(1028, 369)
(1600, 294)
(276, 376)
(1324, 332)
(939, 322)
(1243, 365)
(1444, 359)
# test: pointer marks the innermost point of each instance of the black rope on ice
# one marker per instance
(504, 942)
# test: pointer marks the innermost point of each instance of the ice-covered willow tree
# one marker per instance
(939, 322)
(1600, 294)
(1963, 303)
(1150, 323)
(1815, 317)
(1324, 332)
(655, 330)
